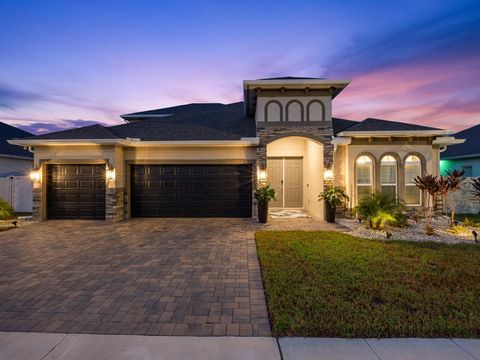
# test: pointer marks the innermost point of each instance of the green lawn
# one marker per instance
(332, 284)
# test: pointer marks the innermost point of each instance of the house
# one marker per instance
(202, 160)
(15, 165)
(14, 160)
(465, 156)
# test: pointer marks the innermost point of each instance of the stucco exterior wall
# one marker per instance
(10, 166)
(284, 100)
(428, 153)
(117, 191)
(312, 154)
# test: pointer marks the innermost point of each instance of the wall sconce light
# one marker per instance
(35, 175)
(262, 176)
(328, 174)
(110, 174)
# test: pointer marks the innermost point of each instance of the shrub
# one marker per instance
(460, 230)
(379, 209)
(264, 194)
(6, 211)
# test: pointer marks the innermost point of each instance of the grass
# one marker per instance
(335, 285)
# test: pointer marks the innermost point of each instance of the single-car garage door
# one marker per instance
(76, 191)
(191, 190)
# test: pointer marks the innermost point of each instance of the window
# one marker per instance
(388, 175)
(413, 168)
(364, 176)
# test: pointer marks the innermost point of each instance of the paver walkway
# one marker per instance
(142, 276)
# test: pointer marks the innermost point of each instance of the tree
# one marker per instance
(430, 185)
(455, 179)
(476, 188)
(444, 188)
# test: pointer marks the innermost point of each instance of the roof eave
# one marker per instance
(459, 157)
(36, 142)
(246, 141)
(397, 133)
(16, 157)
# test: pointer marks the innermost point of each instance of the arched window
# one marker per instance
(388, 175)
(413, 168)
(294, 111)
(315, 111)
(364, 176)
(273, 111)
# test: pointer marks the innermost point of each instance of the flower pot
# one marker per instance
(330, 212)
(262, 212)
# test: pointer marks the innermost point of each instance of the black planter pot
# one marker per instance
(262, 212)
(330, 212)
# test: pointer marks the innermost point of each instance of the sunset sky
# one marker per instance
(71, 63)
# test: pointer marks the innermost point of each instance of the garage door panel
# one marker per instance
(76, 191)
(191, 190)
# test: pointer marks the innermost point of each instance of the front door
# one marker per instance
(285, 175)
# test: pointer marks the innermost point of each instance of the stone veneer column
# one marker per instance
(114, 204)
(37, 204)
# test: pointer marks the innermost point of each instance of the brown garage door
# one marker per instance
(76, 191)
(191, 191)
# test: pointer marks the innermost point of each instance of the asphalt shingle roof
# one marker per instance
(371, 124)
(226, 123)
(8, 132)
(470, 147)
(342, 124)
(205, 122)
(86, 132)
(180, 109)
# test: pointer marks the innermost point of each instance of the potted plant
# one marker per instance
(263, 195)
(333, 197)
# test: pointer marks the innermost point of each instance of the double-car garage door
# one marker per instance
(77, 191)
(191, 190)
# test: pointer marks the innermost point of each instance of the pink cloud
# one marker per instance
(440, 94)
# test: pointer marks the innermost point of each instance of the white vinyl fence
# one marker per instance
(17, 191)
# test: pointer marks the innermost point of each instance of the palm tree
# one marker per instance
(455, 179)
(476, 188)
(444, 188)
(430, 185)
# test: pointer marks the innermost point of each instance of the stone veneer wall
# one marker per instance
(464, 201)
(37, 204)
(114, 204)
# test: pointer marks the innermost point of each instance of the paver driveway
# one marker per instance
(142, 276)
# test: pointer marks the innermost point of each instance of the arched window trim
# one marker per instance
(273, 102)
(372, 174)
(412, 184)
(301, 110)
(397, 165)
(323, 109)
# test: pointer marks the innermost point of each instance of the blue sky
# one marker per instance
(71, 63)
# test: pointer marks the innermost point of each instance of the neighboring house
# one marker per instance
(14, 160)
(15, 165)
(465, 156)
(201, 160)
